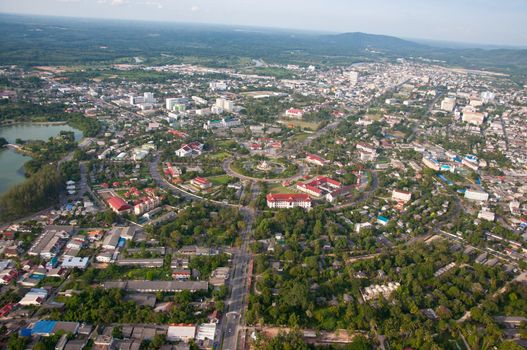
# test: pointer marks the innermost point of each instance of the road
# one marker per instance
(232, 318)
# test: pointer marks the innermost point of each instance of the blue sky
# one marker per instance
(502, 22)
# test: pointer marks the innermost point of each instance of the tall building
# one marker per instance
(353, 77)
(448, 104)
(224, 104)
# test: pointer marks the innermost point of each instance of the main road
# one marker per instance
(232, 317)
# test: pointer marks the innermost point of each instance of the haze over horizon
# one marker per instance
(472, 21)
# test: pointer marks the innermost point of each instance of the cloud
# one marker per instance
(119, 2)
(154, 4)
(194, 8)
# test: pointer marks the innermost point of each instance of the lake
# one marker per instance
(11, 162)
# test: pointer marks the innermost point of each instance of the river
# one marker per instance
(11, 162)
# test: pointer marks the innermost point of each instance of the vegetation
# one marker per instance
(36, 193)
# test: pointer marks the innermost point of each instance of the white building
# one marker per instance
(224, 104)
(287, 201)
(353, 77)
(448, 104)
(476, 195)
(401, 196)
(73, 262)
(181, 332)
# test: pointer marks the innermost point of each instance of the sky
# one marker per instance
(493, 22)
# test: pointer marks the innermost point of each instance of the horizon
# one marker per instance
(434, 21)
(440, 43)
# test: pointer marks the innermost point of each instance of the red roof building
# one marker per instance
(201, 182)
(118, 205)
(314, 159)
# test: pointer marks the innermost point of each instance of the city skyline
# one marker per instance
(475, 22)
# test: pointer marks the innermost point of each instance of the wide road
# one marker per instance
(232, 318)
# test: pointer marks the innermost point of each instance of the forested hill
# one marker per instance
(50, 40)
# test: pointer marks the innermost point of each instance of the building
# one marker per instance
(111, 240)
(401, 196)
(374, 291)
(181, 332)
(353, 77)
(431, 163)
(157, 286)
(36, 296)
(471, 116)
(147, 98)
(147, 262)
(362, 146)
(319, 186)
(147, 204)
(76, 263)
(476, 195)
(285, 200)
(118, 205)
(224, 105)
(486, 214)
(178, 104)
(316, 160)
(51, 241)
(223, 123)
(448, 104)
(206, 331)
(190, 149)
(201, 183)
(294, 113)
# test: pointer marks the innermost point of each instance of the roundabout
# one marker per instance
(263, 169)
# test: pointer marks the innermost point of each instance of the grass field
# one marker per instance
(219, 156)
(219, 179)
(277, 188)
(292, 123)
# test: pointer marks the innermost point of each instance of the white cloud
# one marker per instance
(154, 4)
(119, 2)
(194, 8)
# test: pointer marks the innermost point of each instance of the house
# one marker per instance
(105, 256)
(111, 240)
(285, 200)
(181, 274)
(36, 296)
(51, 241)
(201, 183)
(316, 160)
(118, 205)
(382, 220)
(76, 263)
(294, 113)
(190, 149)
(362, 146)
(401, 196)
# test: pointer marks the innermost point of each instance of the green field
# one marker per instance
(219, 179)
(301, 124)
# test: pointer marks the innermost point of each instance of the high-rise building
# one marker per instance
(448, 104)
(353, 77)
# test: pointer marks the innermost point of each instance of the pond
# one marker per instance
(11, 162)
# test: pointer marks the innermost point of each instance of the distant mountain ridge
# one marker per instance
(30, 40)
(365, 40)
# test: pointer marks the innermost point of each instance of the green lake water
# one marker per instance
(11, 162)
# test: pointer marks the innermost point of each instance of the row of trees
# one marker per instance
(36, 193)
